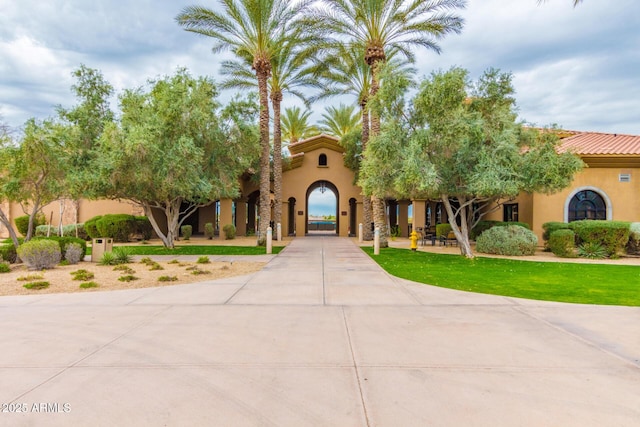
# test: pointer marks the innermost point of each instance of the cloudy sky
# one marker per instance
(578, 68)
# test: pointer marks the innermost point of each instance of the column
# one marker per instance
(241, 217)
(403, 218)
(226, 215)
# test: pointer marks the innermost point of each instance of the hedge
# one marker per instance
(633, 247)
(143, 227)
(443, 229)
(613, 235)
(562, 243)
(91, 227)
(8, 253)
(550, 227)
(22, 223)
(117, 226)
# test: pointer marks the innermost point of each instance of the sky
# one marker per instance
(578, 67)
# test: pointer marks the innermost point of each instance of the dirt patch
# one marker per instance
(107, 278)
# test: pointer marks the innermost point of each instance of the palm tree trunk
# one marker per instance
(265, 175)
(367, 214)
(276, 100)
(379, 211)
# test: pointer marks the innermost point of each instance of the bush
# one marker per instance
(22, 223)
(442, 230)
(550, 227)
(121, 255)
(4, 267)
(167, 278)
(37, 285)
(633, 246)
(67, 230)
(40, 254)
(108, 258)
(482, 226)
(209, 231)
(64, 242)
(88, 285)
(8, 253)
(562, 243)
(508, 240)
(117, 226)
(143, 227)
(82, 275)
(186, 231)
(203, 260)
(74, 253)
(127, 278)
(612, 235)
(592, 250)
(229, 231)
(91, 227)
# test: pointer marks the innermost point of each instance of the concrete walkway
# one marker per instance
(320, 337)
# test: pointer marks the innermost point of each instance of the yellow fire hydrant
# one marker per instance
(414, 240)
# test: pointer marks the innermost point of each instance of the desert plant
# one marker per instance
(88, 285)
(155, 267)
(40, 254)
(592, 250)
(146, 261)
(37, 285)
(29, 277)
(5, 267)
(186, 231)
(174, 261)
(562, 243)
(209, 231)
(512, 240)
(125, 269)
(121, 255)
(74, 253)
(482, 226)
(229, 231)
(82, 274)
(108, 258)
(65, 241)
(203, 260)
(167, 278)
(127, 278)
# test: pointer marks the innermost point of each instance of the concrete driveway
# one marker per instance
(321, 337)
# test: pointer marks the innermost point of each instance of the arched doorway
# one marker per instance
(322, 193)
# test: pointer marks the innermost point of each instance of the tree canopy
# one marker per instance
(458, 141)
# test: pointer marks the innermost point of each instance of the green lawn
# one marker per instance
(197, 250)
(550, 281)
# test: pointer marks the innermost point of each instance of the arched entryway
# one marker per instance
(324, 187)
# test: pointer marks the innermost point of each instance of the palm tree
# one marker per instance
(289, 72)
(253, 30)
(382, 26)
(295, 125)
(339, 121)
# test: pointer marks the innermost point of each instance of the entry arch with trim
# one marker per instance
(322, 184)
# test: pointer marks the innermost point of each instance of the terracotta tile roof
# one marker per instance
(607, 144)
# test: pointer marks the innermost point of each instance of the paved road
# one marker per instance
(320, 337)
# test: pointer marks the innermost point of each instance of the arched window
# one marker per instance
(322, 160)
(587, 204)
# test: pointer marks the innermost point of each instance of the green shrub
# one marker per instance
(167, 278)
(562, 243)
(442, 230)
(4, 267)
(44, 230)
(482, 226)
(22, 223)
(550, 227)
(121, 255)
(124, 268)
(82, 274)
(8, 253)
(91, 227)
(147, 261)
(203, 260)
(229, 231)
(88, 285)
(209, 231)
(186, 231)
(40, 254)
(108, 258)
(64, 242)
(155, 267)
(592, 250)
(37, 285)
(143, 227)
(613, 235)
(512, 240)
(633, 246)
(127, 278)
(117, 226)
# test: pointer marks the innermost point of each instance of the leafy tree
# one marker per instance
(34, 169)
(251, 29)
(382, 27)
(7, 151)
(173, 152)
(459, 141)
(296, 126)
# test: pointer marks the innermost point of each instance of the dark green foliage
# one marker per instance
(91, 227)
(143, 227)
(88, 285)
(65, 241)
(613, 235)
(186, 230)
(5, 267)
(550, 227)
(510, 240)
(117, 226)
(442, 230)
(167, 278)
(209, 231)
(37, 285)
(22, 223)
(482, 226)
(229, 231)
(8, 253)
(562, 243)
(128, 278)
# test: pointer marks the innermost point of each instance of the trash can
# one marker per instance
(99, 247)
